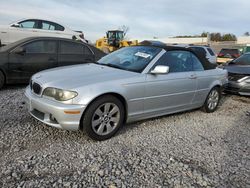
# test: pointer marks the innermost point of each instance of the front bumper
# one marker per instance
(53, 113)
(238, 88)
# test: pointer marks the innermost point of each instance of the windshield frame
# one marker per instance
(154, 58)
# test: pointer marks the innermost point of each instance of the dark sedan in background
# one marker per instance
(239, 75)
(20, 60)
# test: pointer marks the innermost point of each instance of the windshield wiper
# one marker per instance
(112, 65)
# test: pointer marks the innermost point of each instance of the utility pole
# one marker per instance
(208, 38)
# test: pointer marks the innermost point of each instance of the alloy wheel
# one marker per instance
(213, 99)
(105, 118)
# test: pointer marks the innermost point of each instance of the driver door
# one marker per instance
(173, 91)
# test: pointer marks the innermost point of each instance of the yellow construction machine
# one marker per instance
(114, 40)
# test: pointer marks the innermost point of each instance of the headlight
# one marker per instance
(59, 94)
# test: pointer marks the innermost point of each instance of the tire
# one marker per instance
(2, 80)
(103, 118)
(212, 100)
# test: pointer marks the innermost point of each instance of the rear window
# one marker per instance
(210, 51)
(234, 53)
(59, 27)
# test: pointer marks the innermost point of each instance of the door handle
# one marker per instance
(193, 76)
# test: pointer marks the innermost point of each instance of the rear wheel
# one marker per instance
(2, 80)
(103, 118)
(212, 100)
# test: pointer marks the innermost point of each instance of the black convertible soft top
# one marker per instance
(206, 64)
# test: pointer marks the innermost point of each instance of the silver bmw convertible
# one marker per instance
(130, 84)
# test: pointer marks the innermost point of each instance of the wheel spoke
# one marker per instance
(96, 122)
(99, 112)
(100, 129)
(109, 127)
(106, 108)
(114, 110)
(210, 105)
(115, 119)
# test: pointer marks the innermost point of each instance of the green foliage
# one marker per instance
(213, 36)
(222, 37)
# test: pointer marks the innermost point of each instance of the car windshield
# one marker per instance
(242, 60)
(133, 59)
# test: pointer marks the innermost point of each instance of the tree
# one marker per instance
(229, 37)
(247, 34)
(204, 34)
(215, 37)
(223, 37)
(125, 29)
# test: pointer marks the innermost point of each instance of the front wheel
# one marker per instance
(103, 118)
(212, 100)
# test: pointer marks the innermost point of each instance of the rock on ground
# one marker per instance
(191, 149)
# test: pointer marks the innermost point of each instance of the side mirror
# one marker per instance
(20, 50)
(160, 69)
(15, 25)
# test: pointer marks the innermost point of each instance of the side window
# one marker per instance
(59, 27)
(200, 50)
(48, 47)
(197, 66)
(48, 26)
(210, 51)
(178, 61)
(87, 51)
(28, 24)
(71, 48)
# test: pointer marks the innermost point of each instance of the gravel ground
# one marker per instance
(191, 149)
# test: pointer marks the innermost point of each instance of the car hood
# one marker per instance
(238, 69)
(75, 76)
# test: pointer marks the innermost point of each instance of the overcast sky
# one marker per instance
(145, 18)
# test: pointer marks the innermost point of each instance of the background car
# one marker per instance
(20, 60)
(239, 75)
(130, 84)
(226, 55)
(36, 28)
(207, 51)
